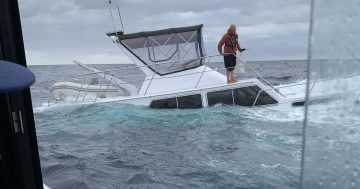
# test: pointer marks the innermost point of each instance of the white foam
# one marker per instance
(50, 106)
(271, 166)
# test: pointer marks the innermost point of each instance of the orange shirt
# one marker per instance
(226, 42)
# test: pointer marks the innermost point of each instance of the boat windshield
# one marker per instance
(165, 51)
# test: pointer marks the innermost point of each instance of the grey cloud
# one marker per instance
(70, 29)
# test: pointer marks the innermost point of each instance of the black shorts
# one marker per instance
(230, 62)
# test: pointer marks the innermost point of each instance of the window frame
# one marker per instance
(254, 102)
(177, 101)
(193, 95)
(221, 94)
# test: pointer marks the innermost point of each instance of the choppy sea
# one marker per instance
(122, 146)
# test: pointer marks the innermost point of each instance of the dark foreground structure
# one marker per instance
(19, 156)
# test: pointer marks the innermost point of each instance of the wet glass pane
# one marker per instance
(264, 99)
(169, 103)
(332, 150)
(192, 101)
(246, 96)
(220, 97)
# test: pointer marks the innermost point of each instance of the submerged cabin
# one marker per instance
(245, 96)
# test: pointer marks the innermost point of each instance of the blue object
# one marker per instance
(14, 77)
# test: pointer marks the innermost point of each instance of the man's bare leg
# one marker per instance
(228, 76)
(232, 77)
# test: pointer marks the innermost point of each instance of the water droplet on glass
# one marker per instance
(347, 165)
(352, 183)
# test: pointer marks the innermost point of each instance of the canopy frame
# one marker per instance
(147, 41)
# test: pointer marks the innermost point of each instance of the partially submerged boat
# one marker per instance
(177, 75)
(101, 85)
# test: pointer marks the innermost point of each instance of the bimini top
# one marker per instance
(165, 51)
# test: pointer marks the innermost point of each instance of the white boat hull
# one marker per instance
(69, 91)
(146, 100)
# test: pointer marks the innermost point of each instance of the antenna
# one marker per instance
(122, 25)
(111, 14)
(119, 14)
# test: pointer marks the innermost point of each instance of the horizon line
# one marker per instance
(134, 63)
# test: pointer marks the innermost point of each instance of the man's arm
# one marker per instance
(239, 48)
(221, 44)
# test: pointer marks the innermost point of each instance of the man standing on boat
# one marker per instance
(231, 44)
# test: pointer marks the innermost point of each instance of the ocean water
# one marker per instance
(123, 146)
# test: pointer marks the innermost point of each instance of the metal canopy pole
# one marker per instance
(19, 156)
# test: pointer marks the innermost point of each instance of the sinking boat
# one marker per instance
(177, 76)
(108, 86)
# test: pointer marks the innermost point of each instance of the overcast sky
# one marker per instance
(58, 32)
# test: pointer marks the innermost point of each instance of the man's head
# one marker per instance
(232, 28)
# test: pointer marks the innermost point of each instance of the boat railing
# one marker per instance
(153, 64)
(259, 75)
(206, 61)
(84, 88)
(277, 89)
(311, 85)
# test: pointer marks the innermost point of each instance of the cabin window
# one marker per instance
(220, 97)
(169, 103)
(246, 97)
(184, 102)
(192, 101)
(298, 104)
(265, 99)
